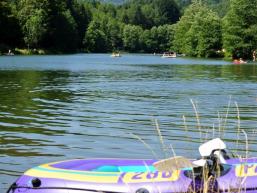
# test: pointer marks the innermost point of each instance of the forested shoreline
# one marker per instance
(201, 28)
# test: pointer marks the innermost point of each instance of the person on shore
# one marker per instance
(254, 55)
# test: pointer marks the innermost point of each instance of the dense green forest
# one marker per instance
(201, 28)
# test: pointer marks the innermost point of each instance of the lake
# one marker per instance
(54, 108)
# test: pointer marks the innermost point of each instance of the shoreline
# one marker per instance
(43, 52)
(27, 52)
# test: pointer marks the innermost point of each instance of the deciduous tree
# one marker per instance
(198, 33)
(131, 38)
(240, 29)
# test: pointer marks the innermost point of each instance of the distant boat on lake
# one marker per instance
(240, 61)
(10, 53)
(169, 55)
(116, 54)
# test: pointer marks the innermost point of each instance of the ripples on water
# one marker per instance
(75, 106)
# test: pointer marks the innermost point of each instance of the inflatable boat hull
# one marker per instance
(123, 175)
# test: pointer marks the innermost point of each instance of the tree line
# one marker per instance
(202, 28)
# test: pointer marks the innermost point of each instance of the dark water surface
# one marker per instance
(75, 106)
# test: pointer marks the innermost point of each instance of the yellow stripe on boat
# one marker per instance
(47, 171)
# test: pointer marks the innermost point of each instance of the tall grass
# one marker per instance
(208, 185)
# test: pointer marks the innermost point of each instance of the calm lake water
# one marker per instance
(91, 105)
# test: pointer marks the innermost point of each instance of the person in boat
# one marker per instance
(239, 61)
(235, 61)
(116, 54)
(242, 61)
(169, 55)
(10, 53)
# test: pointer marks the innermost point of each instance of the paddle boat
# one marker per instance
(10, 53)
(174, 175)
(116, 54)
(169, 55)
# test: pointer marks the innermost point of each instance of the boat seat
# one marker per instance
(107, 169)
(113, 168)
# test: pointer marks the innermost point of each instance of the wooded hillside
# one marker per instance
(197, 28)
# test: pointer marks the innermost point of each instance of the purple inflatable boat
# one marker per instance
(142, 176)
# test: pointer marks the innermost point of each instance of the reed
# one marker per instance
(238, 124)
(197, 118)
(208, 181)
(226, 115)
(157, 128)
(145, 144)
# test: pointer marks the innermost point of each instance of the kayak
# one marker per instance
(141, 176)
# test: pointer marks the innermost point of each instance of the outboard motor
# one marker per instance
(214, 148)
(210, 166)
(212, 151)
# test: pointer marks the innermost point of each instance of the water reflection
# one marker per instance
(64, 107)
